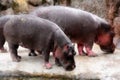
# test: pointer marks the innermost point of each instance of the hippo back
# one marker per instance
(69, 19)
(79, 25)
(4, 19)
(25, 29)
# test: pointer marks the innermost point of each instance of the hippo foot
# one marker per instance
(57, 62)
(39, 52)
(82, 53)
(32, 54)
(92, 55)
(48, 66)
(17, 59)
(3, 50)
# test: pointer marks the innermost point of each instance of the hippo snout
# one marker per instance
(70, 67)
(108, 49)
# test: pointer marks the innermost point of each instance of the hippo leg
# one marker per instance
(57, 62)
(80, 49)
(32, 53)
(46, 58)
(90, 52)
(39, 52)
(13, 51)
(88, 48)
(2, 42)
(56, 54)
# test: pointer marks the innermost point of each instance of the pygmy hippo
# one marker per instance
(82, 27)
(41, 35)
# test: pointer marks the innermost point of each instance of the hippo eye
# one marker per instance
(65, 53)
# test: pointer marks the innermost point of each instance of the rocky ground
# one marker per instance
(103, 67)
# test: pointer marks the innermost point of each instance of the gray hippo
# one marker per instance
(40, 35)
(82, 27)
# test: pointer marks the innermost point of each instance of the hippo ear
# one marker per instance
(69, 50)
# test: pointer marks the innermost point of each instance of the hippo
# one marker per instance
(82, 27)
(41, 35)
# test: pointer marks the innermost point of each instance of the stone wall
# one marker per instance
(97, 7)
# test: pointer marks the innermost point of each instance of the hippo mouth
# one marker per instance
(66, 66)
(108, 49)
(70, 68)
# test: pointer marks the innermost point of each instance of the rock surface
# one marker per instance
(20, 6)
(97, 7)
(104, 66)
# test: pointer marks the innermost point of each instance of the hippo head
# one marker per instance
(65, 57)
(105, 38)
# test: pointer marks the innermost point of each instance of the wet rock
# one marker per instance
(112, 9)
(62, 2)
(9, 11)
(116, 25)
(35, 2)
(20, 6)
(97, 7)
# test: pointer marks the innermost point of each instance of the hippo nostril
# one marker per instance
(73, 66)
